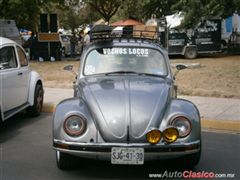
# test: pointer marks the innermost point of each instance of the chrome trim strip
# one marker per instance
(106, 147)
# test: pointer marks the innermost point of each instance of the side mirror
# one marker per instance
(179, 67)
(68, 68)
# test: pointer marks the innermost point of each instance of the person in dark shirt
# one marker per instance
(73, 43)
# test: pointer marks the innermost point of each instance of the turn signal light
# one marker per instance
(170, 134)
(154, 136)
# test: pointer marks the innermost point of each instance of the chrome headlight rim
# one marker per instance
(79, 120)
(183, 119)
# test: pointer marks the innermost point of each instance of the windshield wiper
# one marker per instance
(122, 72)
(134, 72)
(154, 75)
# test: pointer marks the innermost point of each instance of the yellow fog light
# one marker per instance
(170, 134)
(154, 136)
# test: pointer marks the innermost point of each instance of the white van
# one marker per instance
(9, 30)
(66, 45)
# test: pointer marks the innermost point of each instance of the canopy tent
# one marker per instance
(174, 20)
(127, 22)
(100, 21)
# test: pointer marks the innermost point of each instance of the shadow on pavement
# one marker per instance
(12, 127)
(104, 170)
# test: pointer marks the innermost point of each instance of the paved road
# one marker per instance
(26, 154)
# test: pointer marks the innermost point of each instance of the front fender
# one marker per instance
(66, 108)
(34, 79)
(182, 107)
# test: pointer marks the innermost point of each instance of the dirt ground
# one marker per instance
(217, 77)
(214, 77)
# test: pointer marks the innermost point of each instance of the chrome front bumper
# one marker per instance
(102, 151)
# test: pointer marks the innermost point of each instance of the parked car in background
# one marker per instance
(66, 47)
(20, 88)
(125, 109)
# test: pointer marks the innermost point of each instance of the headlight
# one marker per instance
(183, 125)
(170, 134)
(75, 125)
(154, 136)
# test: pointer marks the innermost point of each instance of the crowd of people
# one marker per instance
(83, 39)
(75, 41)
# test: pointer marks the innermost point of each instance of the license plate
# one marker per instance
(121, 155)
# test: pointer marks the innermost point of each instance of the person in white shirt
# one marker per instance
(235, 20)
(86, 39)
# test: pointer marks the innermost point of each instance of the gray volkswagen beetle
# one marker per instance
(125, 108)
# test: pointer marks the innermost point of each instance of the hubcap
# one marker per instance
(191, 53)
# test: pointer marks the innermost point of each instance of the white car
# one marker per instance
(66, 47)
(20, 88)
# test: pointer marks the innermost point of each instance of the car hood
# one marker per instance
(125, 107)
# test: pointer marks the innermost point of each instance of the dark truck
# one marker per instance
(204, 39)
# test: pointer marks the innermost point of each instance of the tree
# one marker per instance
(106, 8)
(196, 10)
(75, 13)
(69, 13)
(72, 13)
(132, 9)
(159, 7)
(25, 12)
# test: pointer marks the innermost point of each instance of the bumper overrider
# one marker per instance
(102, 151)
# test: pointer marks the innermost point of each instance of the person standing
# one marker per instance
(86, 39)
(73, 43)
(80, 40)
(32, 46)
(235, 21)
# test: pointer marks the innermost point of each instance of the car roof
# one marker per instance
(6, 41)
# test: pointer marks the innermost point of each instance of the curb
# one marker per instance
(222, 125)
(49, 107)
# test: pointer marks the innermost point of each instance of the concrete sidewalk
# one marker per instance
(216, 113)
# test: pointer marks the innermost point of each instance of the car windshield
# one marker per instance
(125, 60)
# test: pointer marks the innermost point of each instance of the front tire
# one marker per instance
(190, 53)
(191, 160)
(36, 109)
(64, 161)
(1, 121)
